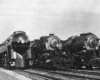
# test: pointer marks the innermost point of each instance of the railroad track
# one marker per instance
(72, 74)
(45, 75)
(42, 75)
(52, 75)
(76, 74)
(92, 72)
(39, 76)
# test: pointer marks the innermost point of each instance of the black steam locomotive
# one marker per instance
(84, 49)
(48, 53)
(15, 51)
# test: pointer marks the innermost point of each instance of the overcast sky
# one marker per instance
(64, 18)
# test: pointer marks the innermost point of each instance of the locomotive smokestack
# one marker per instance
(51, 34)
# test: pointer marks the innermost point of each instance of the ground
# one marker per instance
(10, 75)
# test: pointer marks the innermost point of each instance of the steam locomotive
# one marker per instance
(84, 49)
(15, 51)
(48, 53)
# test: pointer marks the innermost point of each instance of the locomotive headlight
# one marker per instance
(21, 40)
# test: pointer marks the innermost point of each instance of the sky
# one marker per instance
(39, 18)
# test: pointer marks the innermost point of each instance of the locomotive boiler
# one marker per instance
(15, 51)
(84, 49)
(48, 52)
